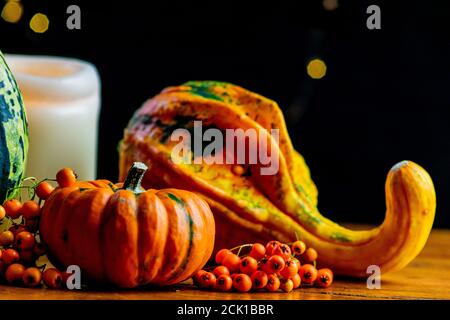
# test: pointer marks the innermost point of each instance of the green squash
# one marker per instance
(13, 134)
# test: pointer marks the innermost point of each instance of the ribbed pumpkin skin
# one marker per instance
(13, 134)
(253, 207)
(158, 237)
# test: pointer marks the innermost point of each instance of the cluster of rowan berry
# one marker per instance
(271, 267)
(20, 246)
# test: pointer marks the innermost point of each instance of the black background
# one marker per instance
(385, 97)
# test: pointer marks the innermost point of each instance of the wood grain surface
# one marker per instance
(427, 277)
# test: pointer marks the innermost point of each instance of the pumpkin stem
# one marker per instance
(134, 177)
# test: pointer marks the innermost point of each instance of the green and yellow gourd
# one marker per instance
(13, 134)
(252, 207)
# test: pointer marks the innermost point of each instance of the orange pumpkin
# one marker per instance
(125, 235)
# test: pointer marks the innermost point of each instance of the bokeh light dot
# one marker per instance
(316, 68)
(12, 12)
(330, 4)
(39, 23)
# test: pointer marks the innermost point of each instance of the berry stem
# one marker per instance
(241, 246)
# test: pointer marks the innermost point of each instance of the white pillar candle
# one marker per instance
(62, 100)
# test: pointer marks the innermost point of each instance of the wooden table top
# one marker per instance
(427, 277)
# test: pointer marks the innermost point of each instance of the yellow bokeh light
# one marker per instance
(39, 23)
(330, 4)
(12, 12)
(316, 69)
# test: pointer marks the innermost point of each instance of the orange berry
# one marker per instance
(310, 255)
(66, 177)
(44, 190)
(248, 265)
(308, 273)
(287, 285)
(263, 264)
(2, 212)
(275, 264)
(10, 256)
(290, 269)
(232, 262)
(24, 240)
(52, 278)
(30, 209)
(242, 283)
(298, 247)
(207, 280)
(271, 245)
(296, 280)
(12, 208)
(196, 277)
(32, 277)
(14, 273)
(6, 238)
(259, 279)
(220, 255)
(258, 251)
(224, 283)
(220, 270)
(282, 250)
(324, 278)
(273, 283)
